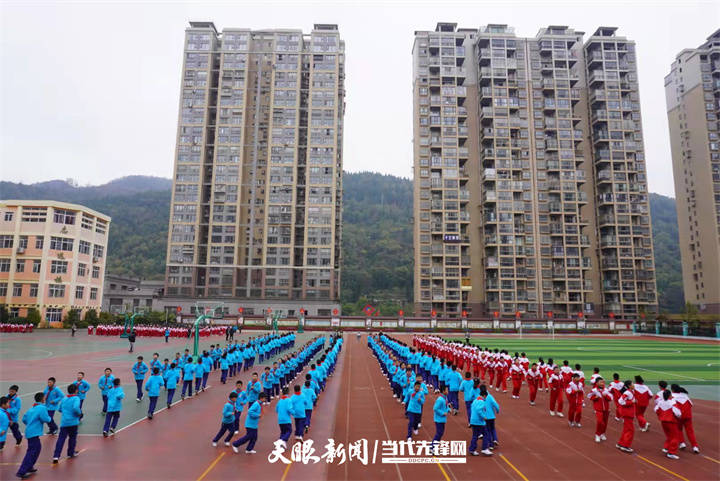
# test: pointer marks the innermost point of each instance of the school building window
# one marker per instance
(36, 266)
(56, 290)
(20, 266)
(39, 242)
(84, 247)
(61, 244)
(4, 265)
(17, 290)
(8, 216)
(64, 217)
(98, 251)
(34, 214)
(33, 290)
(53, 314)
(6, 241)
(3, 289)
(14, 312)
(82, 270)
(79, 292)
(23, 242)
(96, 272)
(58, 267)
(93, 293)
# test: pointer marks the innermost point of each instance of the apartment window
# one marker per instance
(17, 290)
(34, 214)
(64, 217)
(3, 289)
(23, 242)
(98, 251)
(33, 290)
(20, 266)
(93, 293)
(56, 290)
(96, 272)
(82, 270)
(58, 267)
(6, 241)
(36, 266)
(61, 244)
(39, 242)
(84, 247)
(79, 291)
(53, 314)
(8, 216)
(86, 222)
(4, 265)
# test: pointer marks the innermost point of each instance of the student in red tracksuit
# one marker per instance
(516, 373)
(615, 387)
(662, 387)
(683, 402)
(556, 390)
(533, 377)
(575, 397)
(669, 417)
(595, 376)
(626, 410)
(602, 399)
(643, 395)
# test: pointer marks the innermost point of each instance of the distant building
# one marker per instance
(52, 257)
(256, 210)
(124, 294)
(692, 93)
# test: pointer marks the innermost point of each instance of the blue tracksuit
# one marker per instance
(477, 422)
(284, 412)
(71, 413)
(139, 369)
(105, 383)
(52, 402)
(226, 425)
(251, 427)
(33, 420)
(152, 386)
(115, 397)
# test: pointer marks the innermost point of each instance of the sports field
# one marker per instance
(685, 363)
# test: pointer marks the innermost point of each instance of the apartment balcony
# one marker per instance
(611, 285)
(489, 174)
(492, 262)
(464, 194)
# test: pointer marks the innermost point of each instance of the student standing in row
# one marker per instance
(556, 393)
(414, 404)
(298, 411)
(477, 422)
(228, 419)
(105, 384)
(172, 376)
(33, 420)
(468, 388)
(71, 411)
(83, 387)
(4, 420)
(139, 369)
(440, 410)
(680, 395)
(251, 426)
(188, 375)
(669, 415)
(284, 413)
(601, 399)
(492, 409)
(53, 396)
(115, 397)
(626, 410)
(13, 410)
(153, 388)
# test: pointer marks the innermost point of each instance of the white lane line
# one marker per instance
(667, 373)
(623, 349)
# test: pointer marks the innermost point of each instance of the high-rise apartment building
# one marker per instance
(692, 92)
(257, 199)
(549, 212)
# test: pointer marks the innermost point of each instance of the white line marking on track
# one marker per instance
(156, 412)
(623, 349)
(664, 372)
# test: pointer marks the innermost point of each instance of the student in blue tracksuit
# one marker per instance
(152, 386)
(414, 404)
(266, 381)
(254, 389)
(83, 387)
(53, 396)
(71, 410)
(492, 409)
(33, 420)
(453, 379)
(469, 390)
(440, 410)
(239, 404)
(298, 410)
(155, 363)
(188, 375)
(164, 369)
(139, 369)
(167, 334)
(172, 376)
(4, 420)
(14, 412)
(199, 372)
(224, 366)
(115, 397)
(251, 426)
(310, 400)
(284, 413)
(228, 420)
(207, 363)
(105, 384)
(276, 380)
(477, 422)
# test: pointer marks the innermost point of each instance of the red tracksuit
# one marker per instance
(556, 387)
(642, 397)
(683, 402)
(626, 411)
(614, 389)
(601, 404)
(516, 373)
(491, 372)
(669, 416)
(575, 401)
(533, 379)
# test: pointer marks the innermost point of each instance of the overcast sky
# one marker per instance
(90, 90)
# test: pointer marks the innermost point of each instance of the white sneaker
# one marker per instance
(560, 415)
(578, 425)
(664, 450)
(236, 449)
(603, 437)
(552, 413)
(419, 425)
(672, 456)
(214, 444)
(572, 424)
(475, 453)
(236, 432)
(617, 419)
(415, 432)
(252, 451)
(409, 439)
(682, 446)
(597, 438)
(227, 444)
(696, 450)
(487, 452)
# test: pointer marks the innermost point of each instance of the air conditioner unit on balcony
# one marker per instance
(96, 259)
(21, 250)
